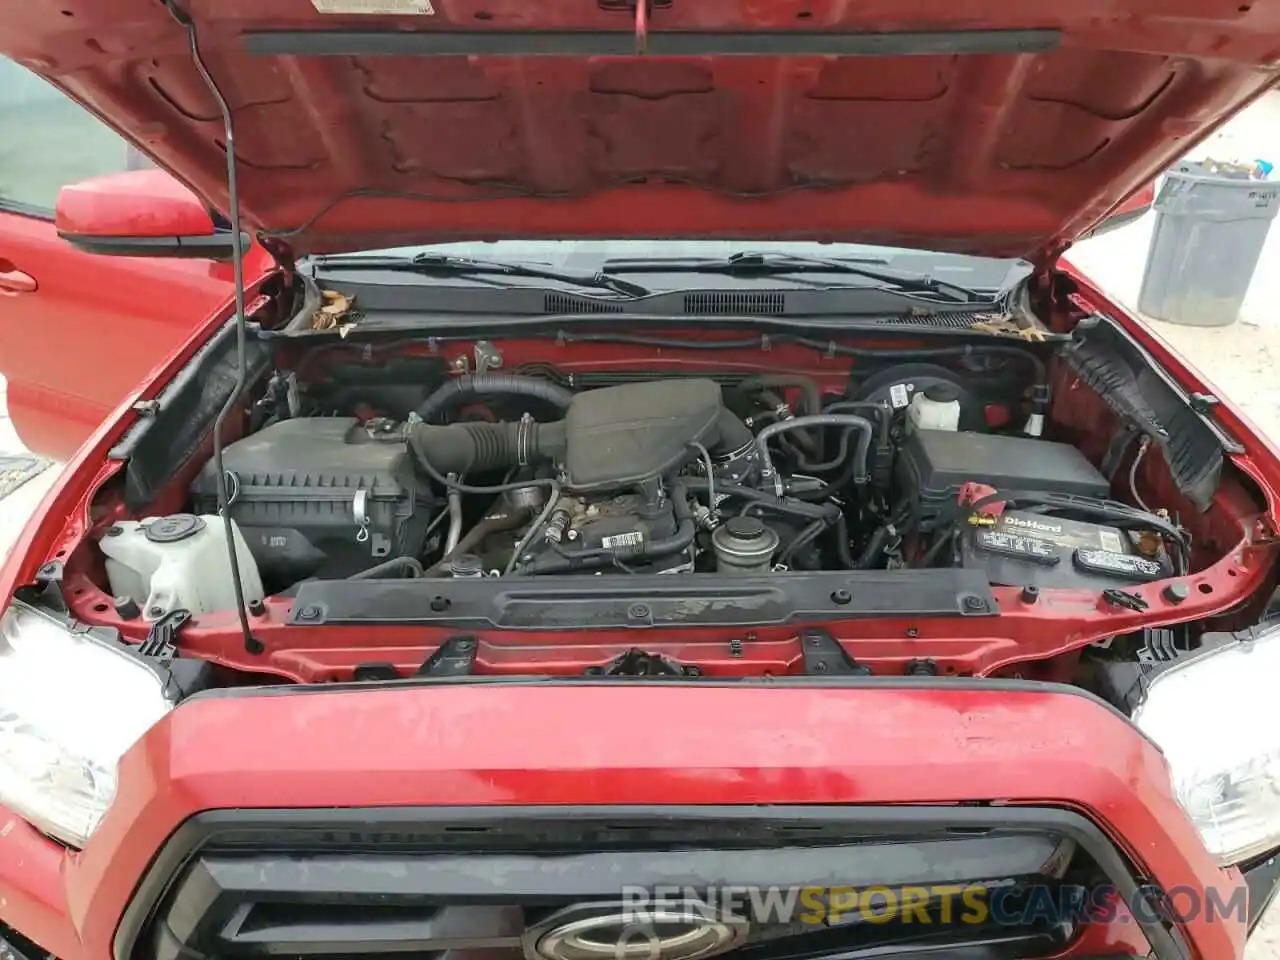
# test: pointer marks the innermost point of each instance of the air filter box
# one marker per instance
(321, 496)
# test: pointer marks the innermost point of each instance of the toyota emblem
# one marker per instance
(679, 930)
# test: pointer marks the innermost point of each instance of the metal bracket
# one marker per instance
(639, 663)
(823, 656)
(487, 357)
(454, 658)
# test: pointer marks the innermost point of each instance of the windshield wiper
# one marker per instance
(747, 264)
(438, 263)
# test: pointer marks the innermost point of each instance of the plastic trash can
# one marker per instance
(1210, 229)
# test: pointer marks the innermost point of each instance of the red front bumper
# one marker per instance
(547, 743)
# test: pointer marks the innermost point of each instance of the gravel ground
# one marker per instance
(1241, 360)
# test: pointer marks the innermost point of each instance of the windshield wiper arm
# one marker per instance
(428, 263)
(747, 264)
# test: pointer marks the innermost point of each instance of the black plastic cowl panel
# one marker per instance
(1128, 380)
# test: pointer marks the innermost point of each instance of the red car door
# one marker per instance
(77, 331)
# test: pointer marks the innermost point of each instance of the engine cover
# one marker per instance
(621, 436)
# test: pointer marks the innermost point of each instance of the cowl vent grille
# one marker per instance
(565, 303)
(721, 303)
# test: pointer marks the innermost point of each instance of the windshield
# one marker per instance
(983, 273)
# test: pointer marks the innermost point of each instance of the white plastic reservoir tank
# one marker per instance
(178, 562)
(937, 407)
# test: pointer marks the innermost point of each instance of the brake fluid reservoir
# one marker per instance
(178, 562)
(937, 407)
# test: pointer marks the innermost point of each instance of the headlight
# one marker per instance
(1215, 719)
(70, 705)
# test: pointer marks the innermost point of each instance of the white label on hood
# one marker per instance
(388, 7)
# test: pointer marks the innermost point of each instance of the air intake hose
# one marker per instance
(494, 383)
(460, 448)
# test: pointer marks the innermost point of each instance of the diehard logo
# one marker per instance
(1028, 524)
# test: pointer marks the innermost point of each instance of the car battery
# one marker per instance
(1021, 548)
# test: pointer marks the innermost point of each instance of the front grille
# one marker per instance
(474, 886)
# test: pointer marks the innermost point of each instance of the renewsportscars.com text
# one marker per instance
(1003, 904)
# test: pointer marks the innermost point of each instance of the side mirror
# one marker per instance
(141, 213)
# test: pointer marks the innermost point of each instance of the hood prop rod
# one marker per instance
(184, 20)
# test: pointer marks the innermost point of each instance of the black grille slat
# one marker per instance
(586, 875)
(308, 927)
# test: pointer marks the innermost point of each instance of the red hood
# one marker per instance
(982, 126)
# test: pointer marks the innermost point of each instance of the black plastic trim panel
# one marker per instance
(616, 601)
(515, 830)
(166, 438)
(1130, 381)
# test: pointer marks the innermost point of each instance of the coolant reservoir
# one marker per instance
(178, 562)
(937, 407)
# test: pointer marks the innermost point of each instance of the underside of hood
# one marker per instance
(978, 126)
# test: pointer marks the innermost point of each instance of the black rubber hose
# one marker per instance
(460, 448)
(808, 387)
(395, 564)
(567, 559)
(809, 511)
(491, 383)
(861, 424)
(880, 411)
(843, 553)
(874, 549)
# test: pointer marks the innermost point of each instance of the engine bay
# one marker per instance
(680, 475)
(911, 505)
